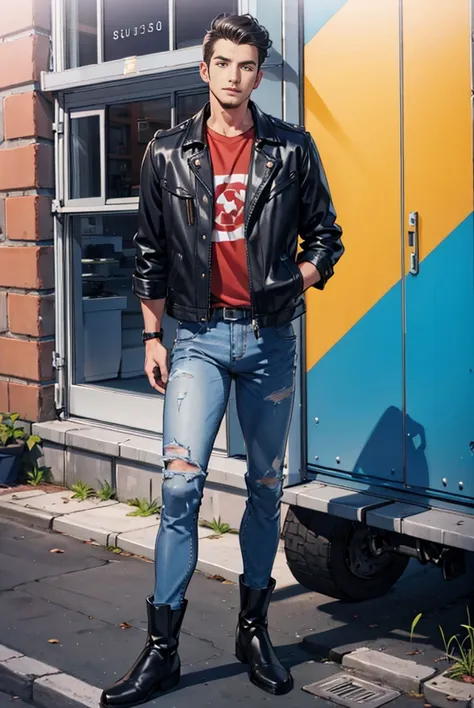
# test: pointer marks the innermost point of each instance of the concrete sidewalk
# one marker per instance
(107, 523)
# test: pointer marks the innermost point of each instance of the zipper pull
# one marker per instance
(255, 328)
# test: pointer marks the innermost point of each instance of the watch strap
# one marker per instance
(146, 336)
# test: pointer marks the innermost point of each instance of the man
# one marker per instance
(223, 198)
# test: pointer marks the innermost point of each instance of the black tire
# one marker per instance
(320, 551)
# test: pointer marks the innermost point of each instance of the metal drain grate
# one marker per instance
(349, 691)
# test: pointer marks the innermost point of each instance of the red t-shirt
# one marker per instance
(231, 163)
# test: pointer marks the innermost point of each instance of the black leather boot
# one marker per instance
(253, 645)
(158, 667)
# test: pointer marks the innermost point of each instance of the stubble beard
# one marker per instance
(229, 106)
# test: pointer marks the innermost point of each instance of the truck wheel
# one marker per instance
(335, 557)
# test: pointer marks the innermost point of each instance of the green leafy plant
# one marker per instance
(11, 434)
(219, 527)
(463, 667)
(38, 475)
(106, 492)
(82, 491)
(144, 507)
(413, 625)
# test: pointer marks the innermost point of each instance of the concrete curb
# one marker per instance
(403, 674)
(42, 685)
(442, 692)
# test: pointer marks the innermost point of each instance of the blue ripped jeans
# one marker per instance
(205, 359)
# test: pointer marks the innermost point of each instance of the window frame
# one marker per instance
(103, 203)
(84, 202)
(61, 79)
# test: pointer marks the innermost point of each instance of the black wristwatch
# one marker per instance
(146, 336)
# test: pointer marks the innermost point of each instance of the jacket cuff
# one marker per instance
(322, 263)
(148, 289)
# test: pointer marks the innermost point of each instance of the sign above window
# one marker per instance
(135, 28)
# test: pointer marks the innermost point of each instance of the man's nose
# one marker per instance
(234, 76)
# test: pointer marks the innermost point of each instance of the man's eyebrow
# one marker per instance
(242, 63)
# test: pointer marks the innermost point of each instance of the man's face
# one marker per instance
(233, 73)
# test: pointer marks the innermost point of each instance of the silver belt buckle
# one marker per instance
(229, 317)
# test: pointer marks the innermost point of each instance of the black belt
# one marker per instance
(232, 314)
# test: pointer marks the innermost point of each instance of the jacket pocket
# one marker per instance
(175, 268)
(295, 274)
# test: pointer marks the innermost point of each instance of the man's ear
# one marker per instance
(204, 71)
(258, 79)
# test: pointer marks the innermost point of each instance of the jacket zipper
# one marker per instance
(210, 238)
(190, 211)
(255, 326)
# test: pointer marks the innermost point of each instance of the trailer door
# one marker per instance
(438, 245)
(354, 327)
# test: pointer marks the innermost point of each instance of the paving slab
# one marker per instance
(99, 523)
(55, 430)
(142, 541)
(223, 557)
(61, 690)
(41, 509)
(400, 673)
(60, 503)
(18, 496)
(443, 692)
(95, 439)
(142, 449)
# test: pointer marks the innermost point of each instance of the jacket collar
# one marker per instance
(265, 131)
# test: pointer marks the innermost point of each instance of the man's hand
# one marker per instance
(156, 364)
(310, 274)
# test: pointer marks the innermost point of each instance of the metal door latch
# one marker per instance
(413, 242)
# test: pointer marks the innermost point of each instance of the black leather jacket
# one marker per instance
(287, 195)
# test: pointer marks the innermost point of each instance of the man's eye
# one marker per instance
(247, 68)
(222, 63)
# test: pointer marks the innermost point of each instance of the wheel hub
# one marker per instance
(365, 558)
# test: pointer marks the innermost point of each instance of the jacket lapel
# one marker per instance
(265, 162)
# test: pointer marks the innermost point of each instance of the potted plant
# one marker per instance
(13, 441)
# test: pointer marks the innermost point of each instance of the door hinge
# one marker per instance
(58, 361)
(56, 206)
(58, 128)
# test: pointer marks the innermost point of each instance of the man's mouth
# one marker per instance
(231, 90)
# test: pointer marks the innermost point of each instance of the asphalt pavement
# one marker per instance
(91, 603)
(7, 701)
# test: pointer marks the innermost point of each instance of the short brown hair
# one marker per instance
(240, 29)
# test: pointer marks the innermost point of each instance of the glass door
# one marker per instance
(104, 321)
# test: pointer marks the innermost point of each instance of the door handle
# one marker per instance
(413, 242)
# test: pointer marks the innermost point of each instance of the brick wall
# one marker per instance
(26, 226)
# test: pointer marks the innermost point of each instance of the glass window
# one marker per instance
(193, 19)
(190, 104)
(135, 28)
(85, 172)
(81, 33)
(130, 127)
(108, 319)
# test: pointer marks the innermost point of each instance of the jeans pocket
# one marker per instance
(188, 331)
(285, 331)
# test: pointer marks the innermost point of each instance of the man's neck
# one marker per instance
(229, 122)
